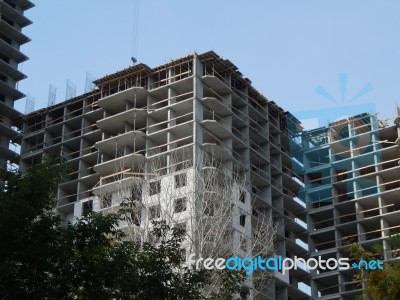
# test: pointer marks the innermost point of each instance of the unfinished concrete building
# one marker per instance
(153, 128)
(351, 175)
(12, 20)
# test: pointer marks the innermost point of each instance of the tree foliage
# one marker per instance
(379, 284)
(42, 257)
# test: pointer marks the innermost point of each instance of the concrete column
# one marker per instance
(197, 141)
(171, 123)
(314, 287)
(197, 106)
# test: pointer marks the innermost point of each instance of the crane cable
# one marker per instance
(135, 30)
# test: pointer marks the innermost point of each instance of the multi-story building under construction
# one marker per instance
(351, 173)
(12, 20)
(195, 126)
(144, 133)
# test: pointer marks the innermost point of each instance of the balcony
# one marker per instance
(90, 180)
(217, 129)
(116, 103)
(7, 130)
(13, 33)
(12, 52)
(130, 161)
(10, 71)
(216, 106)
(116, 144)
(24, 4)
(219, 152)
(180, 84)
(11, 91)
(120, 181)
(9, 154)
(9, 111)
(216, 84)
(15, 15)
(182, 132)
(113, 123)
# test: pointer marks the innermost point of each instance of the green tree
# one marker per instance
(379, 284)
(43, 258)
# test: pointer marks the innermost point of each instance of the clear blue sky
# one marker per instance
(287, 48)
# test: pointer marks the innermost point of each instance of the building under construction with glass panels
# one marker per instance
(351, 174)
